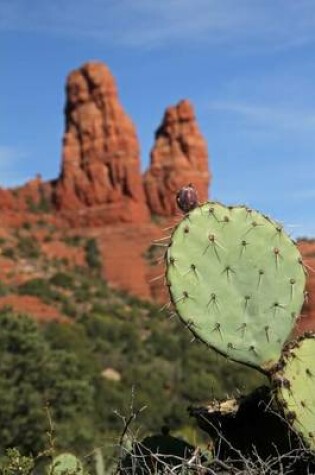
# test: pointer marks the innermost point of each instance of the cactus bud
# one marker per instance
(187, 198)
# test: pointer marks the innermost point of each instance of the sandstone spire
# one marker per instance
(179, 156)
(100, 173)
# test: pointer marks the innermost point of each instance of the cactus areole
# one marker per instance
(295, 387)
(237, 281)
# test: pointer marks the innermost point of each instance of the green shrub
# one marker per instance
(68, 308)
(39, 288)
(151, 353)
(61, 279)
(3, 289)
(9, 252)
(92, 255)
(43, 205)
(102, 291)
(75, 241)
(59, 263)
(48, 238)
(41, 223)
(28, 246)
(34, 373)
(26, 225)
(82, 293)
(14, 463)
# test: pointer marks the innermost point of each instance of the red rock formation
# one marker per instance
(34, 307)
(35, 195)
(307, 320)
(179, 156)
(22, 204)
(100, 157)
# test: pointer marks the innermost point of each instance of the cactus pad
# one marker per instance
(295, 383)
(66, 464)
(237, 281)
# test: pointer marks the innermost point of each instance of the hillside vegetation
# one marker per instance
(73, 376)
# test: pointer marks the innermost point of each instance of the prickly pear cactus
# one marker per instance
(66, 464)
(295, 387)
(237, 281)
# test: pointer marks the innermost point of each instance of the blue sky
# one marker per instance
(247, 65)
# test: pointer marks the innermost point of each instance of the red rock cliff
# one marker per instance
(179, 156)
(19, 204)
(100, 173)
(307, 319)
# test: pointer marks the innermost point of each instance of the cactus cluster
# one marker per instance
(237, 281)
(295, 387)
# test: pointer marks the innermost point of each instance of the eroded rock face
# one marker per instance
(100, 173)
(179, 156)
(34, 196)
(306, 321)
(100, 156)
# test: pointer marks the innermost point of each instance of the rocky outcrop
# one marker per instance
(100, 156)
(306, 321)
(100, 179)
(34, 196)
(179, 156)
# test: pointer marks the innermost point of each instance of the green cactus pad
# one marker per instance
(66, 464)
(237, 281)
(295, 383)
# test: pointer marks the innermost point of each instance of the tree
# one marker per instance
(32, 375)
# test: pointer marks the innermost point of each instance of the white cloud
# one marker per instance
(303, 195)
(302, 230)
(9, 155)
(11, 161)
(270, 116)
(152, 23)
